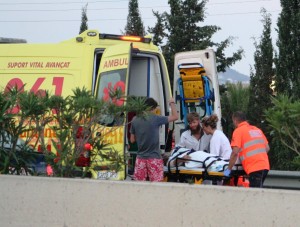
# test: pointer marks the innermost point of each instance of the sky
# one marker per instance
(52, 21)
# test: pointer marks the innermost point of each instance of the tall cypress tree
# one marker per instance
(84, 20)
(134, 24)
(288, 59)
(287, 80)
(262, 75)
(185, 34)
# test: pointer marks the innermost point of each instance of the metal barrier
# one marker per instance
(283, 180)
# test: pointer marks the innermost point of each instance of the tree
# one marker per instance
(80, 119)
(159, 29)
(185, 34)
(84, 20)
(134, 24)
(16, 156)
(284, 120)
(287, 62)
(262, 75)
(287, 81)
(235, 98)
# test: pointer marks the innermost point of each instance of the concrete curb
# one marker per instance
(43, 201)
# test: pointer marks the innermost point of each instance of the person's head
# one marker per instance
(151, 103)
(194, 122)
(238, 117)
(209, 124)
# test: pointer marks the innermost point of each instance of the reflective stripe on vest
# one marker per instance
(253, 142)
(254, 152)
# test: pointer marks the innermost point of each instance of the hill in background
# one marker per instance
(233, 76)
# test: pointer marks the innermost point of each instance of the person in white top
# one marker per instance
(219, 143)
(194, 137)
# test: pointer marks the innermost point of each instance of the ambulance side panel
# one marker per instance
(58, 68)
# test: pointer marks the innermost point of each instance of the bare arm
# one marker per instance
(233, 157)
(174, 114)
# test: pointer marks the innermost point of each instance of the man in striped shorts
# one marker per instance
(145, 131)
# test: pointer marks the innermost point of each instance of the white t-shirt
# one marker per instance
(187, 140)
(220, 145)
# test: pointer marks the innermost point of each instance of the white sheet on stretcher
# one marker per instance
(201, 159)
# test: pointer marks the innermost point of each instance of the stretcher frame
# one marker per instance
(199, 175)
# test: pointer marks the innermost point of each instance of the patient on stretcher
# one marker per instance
(192, 159)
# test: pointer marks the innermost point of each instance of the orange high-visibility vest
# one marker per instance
(252, 143)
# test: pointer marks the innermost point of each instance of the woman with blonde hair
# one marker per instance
(219, 143)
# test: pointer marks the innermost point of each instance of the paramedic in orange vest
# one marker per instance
(251, 146)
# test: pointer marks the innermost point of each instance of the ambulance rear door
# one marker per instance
(113, 75)
(194, 60)
(149, 78)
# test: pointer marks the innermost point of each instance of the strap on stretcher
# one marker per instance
(205, 167)
(203, 172)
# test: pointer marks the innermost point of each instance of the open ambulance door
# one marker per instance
(195, 86)
(149, 78)
(113, 75)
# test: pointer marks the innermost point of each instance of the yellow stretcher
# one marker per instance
(192, 82)
(194, 89)
(201, 166)
(198, 175)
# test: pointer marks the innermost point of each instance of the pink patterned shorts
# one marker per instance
(153, 168)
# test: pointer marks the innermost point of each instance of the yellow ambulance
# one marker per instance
(100, 62)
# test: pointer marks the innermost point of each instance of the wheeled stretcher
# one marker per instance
(201, 166)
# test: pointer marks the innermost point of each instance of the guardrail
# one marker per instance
(283, 180)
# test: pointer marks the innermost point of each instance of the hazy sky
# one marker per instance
(50, 21)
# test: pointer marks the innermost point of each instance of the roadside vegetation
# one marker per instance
(72, 123)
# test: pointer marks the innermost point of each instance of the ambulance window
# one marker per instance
(110, 82)
(97, 60)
